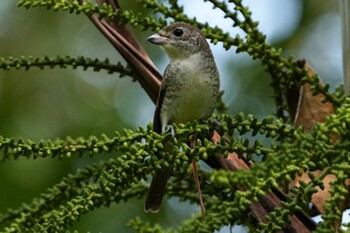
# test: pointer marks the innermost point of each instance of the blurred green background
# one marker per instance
(54, 103)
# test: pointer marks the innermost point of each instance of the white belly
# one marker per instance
(191, 103)
(190, 91)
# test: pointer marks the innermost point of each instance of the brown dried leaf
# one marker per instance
(311, 110)
(319, 198)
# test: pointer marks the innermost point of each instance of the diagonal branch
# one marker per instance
(127, 45)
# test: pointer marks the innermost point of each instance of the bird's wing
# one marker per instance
(157, 124)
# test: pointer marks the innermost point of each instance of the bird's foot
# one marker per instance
(169, 128)
(214, 122)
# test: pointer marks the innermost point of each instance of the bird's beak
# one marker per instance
(157, 39)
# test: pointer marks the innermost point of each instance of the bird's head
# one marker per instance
(180, 40)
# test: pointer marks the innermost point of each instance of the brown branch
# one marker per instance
(128, 46)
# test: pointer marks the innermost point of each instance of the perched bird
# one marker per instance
(189, 89)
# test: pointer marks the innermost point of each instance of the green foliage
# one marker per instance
(63, 62)
(283, 70)
(137, 153)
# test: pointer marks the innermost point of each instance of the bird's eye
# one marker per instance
(178, 32)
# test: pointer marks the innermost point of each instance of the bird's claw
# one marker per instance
(214, 122)
(170, 128)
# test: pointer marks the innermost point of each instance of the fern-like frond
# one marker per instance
(64, 62)
(79, 194)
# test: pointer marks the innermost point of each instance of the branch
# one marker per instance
(62, 62)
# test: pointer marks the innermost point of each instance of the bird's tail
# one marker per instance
(157, 190)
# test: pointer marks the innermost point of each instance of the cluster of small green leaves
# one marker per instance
(310, 152)
(339, 193)
(102, 11)
(300, 152)
(76, 195)
(66, 148)
(73, 6)
(316, 151)
(284, 71)
(140, 152)
(64, 62)
(63, 205)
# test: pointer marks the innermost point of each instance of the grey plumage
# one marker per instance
(189, 89)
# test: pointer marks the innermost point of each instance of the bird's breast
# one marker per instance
(191, 91)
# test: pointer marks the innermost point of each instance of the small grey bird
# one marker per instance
(189, 89)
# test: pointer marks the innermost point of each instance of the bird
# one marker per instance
(189, 90)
